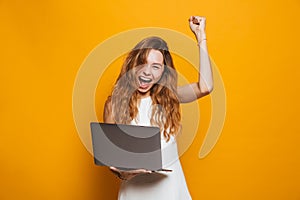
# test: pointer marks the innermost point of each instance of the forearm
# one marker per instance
(205, 78)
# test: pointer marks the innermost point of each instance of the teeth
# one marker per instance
(145, 79)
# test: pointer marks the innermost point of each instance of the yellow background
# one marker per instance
(254, 44)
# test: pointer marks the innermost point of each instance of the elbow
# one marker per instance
(204, 91)
(207, 89)
(210, 89)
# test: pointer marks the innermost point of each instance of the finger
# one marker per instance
(145, 171)
(115, 172)
(196, 20)
(193, 20)
(148, 171)
(113, 168)
(138, 171)
(203, 19)
(199, 18)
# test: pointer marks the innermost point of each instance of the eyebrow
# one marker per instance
(157, 64)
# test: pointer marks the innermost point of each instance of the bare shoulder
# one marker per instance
(108, 115)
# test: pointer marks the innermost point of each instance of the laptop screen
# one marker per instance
(126, 146)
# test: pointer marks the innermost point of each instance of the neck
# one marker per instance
(143, 95)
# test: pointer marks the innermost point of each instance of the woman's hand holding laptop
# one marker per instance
(128, 174)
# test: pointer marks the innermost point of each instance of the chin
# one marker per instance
(144, 91)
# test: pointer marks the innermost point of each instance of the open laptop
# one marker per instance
(127, 147)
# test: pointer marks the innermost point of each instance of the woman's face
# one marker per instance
(150, 73)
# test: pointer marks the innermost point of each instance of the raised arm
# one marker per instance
(204, 86)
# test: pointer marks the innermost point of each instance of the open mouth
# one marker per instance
(144, 82)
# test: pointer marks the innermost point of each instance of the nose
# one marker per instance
(147, 70)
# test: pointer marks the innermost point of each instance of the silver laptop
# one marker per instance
(127, 147)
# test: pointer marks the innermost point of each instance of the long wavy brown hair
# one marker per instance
(165, 103)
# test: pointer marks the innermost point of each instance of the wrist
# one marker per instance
(201, 38)
(201, 41)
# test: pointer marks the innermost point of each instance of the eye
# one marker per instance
(156, 66)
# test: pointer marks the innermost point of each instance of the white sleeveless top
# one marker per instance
(158, 185)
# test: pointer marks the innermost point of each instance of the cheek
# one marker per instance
(158, 75)
(138, 72)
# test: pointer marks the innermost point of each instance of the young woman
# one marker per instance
(146, 93)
